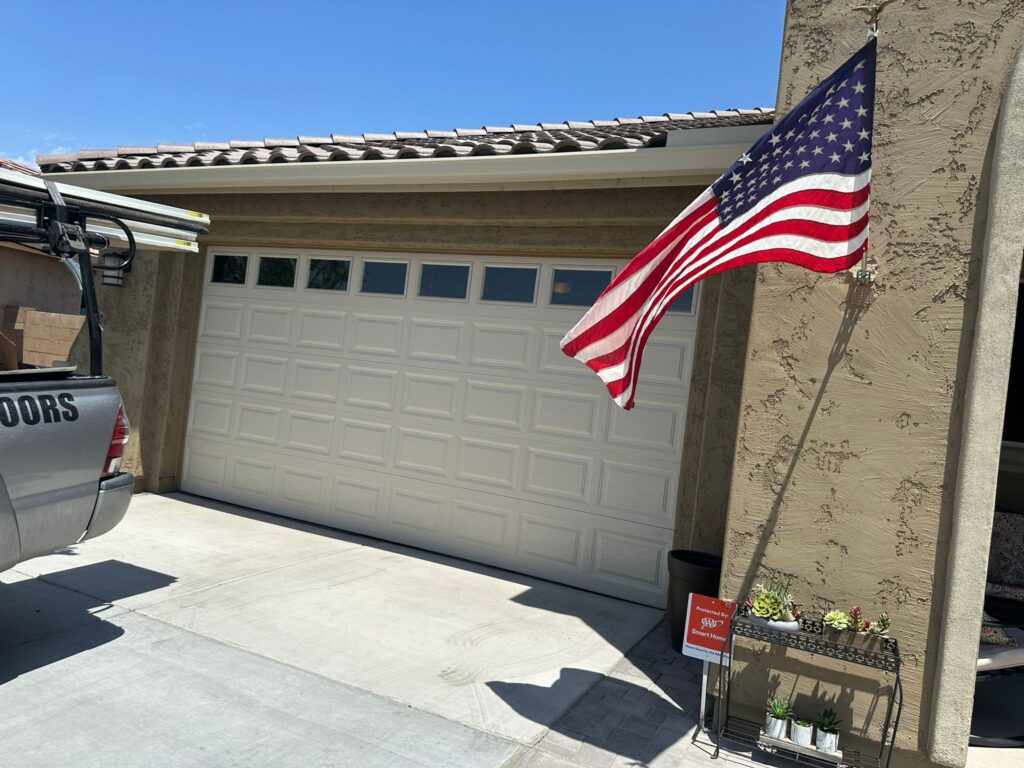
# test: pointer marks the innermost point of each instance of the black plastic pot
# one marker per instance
(689, 571)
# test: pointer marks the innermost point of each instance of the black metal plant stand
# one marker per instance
(750, 733)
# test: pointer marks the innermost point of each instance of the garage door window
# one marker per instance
(578, 287)
(229, 269)
(328, 274)
(276, 272)
(384, 277)
(515, 284)
(444, 281)
(683, 302)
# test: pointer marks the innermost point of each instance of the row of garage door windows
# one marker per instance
(569, 287)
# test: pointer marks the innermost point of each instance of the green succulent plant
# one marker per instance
(803, 723)
(772, 599)
(768, 606)
(836, 620)
(780, 709)
(828, 722)
(881, 626)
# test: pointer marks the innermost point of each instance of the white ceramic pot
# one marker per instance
(801, 735)
(782, 626)
(827, 742)
(775, 728)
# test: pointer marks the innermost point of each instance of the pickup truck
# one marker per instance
(62, 440)
(63, 433)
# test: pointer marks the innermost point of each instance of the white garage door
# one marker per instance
(424, 400)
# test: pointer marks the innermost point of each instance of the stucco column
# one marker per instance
(982, 434)
(852, 400)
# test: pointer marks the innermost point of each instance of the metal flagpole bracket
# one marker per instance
(865, 275)
(873, 11)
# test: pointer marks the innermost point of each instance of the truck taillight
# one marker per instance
(118, 440)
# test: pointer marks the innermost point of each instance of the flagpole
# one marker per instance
(873, 11)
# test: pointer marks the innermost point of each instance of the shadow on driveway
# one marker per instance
(70, 604)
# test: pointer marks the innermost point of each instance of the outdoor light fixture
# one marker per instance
(111, 276)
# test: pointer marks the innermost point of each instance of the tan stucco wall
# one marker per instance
(851, 400)
(151, 322)
(31, 280)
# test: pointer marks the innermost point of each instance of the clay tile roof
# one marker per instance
(490, 140)
(14, 165)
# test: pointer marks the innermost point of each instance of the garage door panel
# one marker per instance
(429, 395)
(216, 368)
(495, 405)
(258, 423)
(365, 441)
(421, 451)
(270, 325)
(321, 329)
(313, 432)
(437, 341)
(221, 320)
(651, 425)
(374, 388)
(559, 475)
(454, 425)
(502, 346)
(377, 335)
(312, 380)
(488, 462)
(264, 373)
(641, 493)
(566, 413)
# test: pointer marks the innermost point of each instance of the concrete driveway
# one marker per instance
(201, 634)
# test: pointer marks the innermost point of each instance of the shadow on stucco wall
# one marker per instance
(858, 298)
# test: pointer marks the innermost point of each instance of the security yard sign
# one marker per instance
(707, 628)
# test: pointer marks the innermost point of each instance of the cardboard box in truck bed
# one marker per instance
(37, 338)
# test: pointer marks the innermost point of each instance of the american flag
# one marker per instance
(799, 195)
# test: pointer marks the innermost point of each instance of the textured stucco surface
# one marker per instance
(151, 322)
(30, 280)
(851, 402)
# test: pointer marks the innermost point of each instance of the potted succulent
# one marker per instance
(828, 732)
(854, 630)
(802, 732)
(779, 711)
(865, 633)
(834, 624)
(771, 603)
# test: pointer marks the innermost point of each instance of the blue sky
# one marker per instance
(99, 74)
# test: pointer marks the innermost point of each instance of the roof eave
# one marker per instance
(703, 155)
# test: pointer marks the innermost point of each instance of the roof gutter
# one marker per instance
(693, 156)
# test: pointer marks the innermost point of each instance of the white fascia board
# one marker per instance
(704, 155)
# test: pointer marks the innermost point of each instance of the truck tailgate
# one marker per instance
(54, 436)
